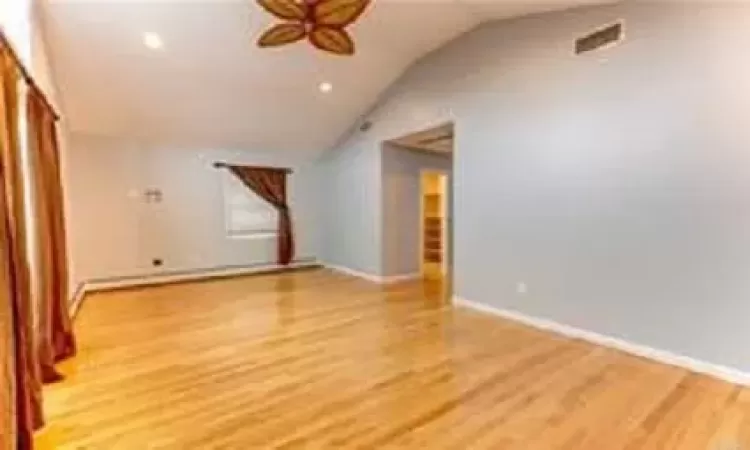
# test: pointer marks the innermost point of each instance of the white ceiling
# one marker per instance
(212, 86)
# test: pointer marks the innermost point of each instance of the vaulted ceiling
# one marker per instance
(212, 86)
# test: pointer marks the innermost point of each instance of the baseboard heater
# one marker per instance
(134, 281)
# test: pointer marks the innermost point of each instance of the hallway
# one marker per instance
(315, 359)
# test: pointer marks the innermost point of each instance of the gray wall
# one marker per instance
(616, 185)
(401, 219)
(351, 181)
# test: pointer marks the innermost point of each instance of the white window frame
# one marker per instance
(239, 200)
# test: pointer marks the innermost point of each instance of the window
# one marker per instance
(15, 20)
(246, 214)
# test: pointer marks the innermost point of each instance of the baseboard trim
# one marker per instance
(77, 300)
(109, 284)
(377, 279)
(390, 279)
(354, 273)
(720, 372)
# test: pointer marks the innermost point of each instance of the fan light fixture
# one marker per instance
(322, 22)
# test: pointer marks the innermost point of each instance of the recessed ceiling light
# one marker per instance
(153, 41)
(325, 87)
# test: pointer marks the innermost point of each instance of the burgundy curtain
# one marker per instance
(270, 185)
(55, 334)
(16, 281)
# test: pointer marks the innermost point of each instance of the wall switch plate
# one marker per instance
(521, 288)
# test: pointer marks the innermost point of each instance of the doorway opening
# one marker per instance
(417, 206)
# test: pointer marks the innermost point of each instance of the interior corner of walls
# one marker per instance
(376, 278)
(76, 299)
(373, 278)
(400, 278)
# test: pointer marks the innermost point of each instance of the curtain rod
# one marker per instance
(223, 165)
(5, 42)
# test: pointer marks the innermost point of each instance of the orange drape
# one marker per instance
(17, 289)
(270, 184)
(7, 334)
(55, 340)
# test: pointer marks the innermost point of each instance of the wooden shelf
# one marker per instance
(434, 257)
(433, 246)
(432, 239)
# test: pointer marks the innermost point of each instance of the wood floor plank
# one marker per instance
(318, 360)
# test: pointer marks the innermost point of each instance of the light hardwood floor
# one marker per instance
(318, 360)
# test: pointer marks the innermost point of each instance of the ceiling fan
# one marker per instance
(322, 22)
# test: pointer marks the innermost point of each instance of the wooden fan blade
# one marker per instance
(285, 9)
(332, 40)
(338, 13)
(282, 34)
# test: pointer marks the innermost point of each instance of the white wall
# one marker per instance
(616, 185)
(115, 233)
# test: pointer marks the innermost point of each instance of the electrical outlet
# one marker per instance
(521, 288)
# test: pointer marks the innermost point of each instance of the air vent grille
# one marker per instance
(599, 39)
